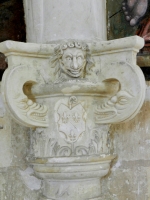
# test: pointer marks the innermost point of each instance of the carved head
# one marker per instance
(73, 59)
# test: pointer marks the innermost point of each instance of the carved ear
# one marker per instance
(16, 86)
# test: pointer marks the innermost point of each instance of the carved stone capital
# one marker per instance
(72, 92)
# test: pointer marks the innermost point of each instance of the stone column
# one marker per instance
(53, 20)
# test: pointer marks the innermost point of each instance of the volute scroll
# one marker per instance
(127, 102)
(25, 110)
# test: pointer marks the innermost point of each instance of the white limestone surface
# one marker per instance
(70, 96)
(113, 70)
(52, 20)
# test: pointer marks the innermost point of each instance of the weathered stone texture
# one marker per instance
(20, 145)
(129, 178)
(129, 174)
(13, 187)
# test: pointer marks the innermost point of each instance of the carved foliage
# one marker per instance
(44, 145)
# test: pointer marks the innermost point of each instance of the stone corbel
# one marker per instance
(84, 89)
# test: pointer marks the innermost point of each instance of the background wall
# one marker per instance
(12, 26)
(118, 26)
(129, 178)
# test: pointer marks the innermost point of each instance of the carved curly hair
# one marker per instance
(59, 50)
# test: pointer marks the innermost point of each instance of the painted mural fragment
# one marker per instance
(129, 17)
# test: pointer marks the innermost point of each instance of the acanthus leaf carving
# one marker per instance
(46, 146)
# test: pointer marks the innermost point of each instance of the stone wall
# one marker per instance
(17, 181)
(129, 178)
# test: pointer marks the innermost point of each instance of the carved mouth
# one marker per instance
(105, 115)
(38, 116)
(74, 72)
(34, 111)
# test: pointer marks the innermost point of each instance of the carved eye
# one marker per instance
(114, 99)
(122, 100)
(68, 58)
(80, 58)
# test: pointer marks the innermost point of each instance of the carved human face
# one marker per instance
(73, 62)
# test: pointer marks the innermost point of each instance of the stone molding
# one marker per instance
(133, 43)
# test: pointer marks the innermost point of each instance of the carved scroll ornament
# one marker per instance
(122, 83)
(127, 102)
(24, 110)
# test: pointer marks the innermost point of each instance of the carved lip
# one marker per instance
(74, 72)
(101, 115)
(38, 117)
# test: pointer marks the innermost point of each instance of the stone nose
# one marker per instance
(75, 64)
